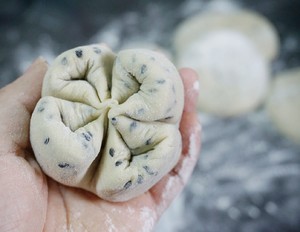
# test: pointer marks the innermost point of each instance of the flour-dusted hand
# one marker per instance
(109, 123)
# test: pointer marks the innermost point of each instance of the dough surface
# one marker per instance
(233, 75)
(108, 123)
(255, 27)
(283, 103)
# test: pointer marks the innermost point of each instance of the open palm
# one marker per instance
(31, 201)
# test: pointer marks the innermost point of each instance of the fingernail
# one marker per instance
(38, 61)
(41, 59)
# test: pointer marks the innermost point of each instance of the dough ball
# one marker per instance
(283, 103)
(108, 123)
(254, 26)
(233, 75)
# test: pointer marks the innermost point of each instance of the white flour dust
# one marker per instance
(188, 163)
(148, 217)
(110, 225)
(196, 85)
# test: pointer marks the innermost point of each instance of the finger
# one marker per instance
(191, 89)
(165, 191)
(17, 102)
(189, 116)
(171, 185)
(27, 89)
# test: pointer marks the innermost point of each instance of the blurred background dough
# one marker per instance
(231, 50)
(233, 75)
(284, 103)
(253, 25)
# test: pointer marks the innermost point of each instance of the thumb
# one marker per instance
(17, 101)
(29, 85)
(27, 88)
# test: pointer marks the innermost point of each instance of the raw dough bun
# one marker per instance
(233, 75)
(284, 103)
(108, 123)
(255, 27)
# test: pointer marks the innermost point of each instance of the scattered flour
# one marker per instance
(110, 225)
(149, 218)
(189, 162)
(130, 210)
(196, 85)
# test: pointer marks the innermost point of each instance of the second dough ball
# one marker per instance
(233, 75)
(258, 29)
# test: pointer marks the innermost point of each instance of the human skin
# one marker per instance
(31, 201)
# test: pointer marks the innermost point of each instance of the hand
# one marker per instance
(31, 201)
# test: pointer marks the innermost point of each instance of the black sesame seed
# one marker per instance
(169, 110)
(162, 81)
(90, 134)
(167, 118)
(63, 165)
(111, 152)
(47, 140)
(97, 50)
(85, 145)
(149, 171)
(41, 108)
(128, 184)
(143, 69)
(64, 61)
(114, 121)
(133, 125)
(78, 53)
(152, 90)
(86, 136)
(118, 163)
(127, 85)
(140, 179)
(141, 111)
(173, 88)
(148, 141)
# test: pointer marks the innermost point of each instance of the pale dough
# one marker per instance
(254, 26)
(233, 75)
(284, 103)
(108, 123)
